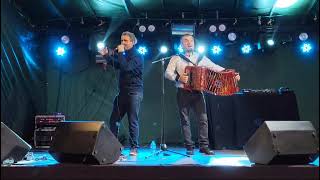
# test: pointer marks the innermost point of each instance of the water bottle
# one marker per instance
(153, 146)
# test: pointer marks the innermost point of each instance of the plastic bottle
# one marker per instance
(153, 146)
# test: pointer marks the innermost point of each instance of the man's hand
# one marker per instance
(184, 78)
(237, 77)
(120, 48)
(103, 51)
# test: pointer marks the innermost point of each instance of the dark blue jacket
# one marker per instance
(130, 64)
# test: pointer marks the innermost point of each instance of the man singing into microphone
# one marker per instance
(191, 100)
(130, 63)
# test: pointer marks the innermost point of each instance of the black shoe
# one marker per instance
(190, 151)
(206, 151)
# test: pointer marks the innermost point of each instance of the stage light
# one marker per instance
(142, 28)
(100, 45)
(303, 36)
(284, 3)
(201, 49)
(180, 49)
(212, 28)
(246, 49)
(306, 47)
(142, 50)
(151, 28)
(60, 51)
(259, 46)
(222, 27)
(163, 49)
(65, 39)
(232, 36)
(270, 42)
(216, 49)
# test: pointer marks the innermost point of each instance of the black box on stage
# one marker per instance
(283, 142)
(12, 146)
(89, 142)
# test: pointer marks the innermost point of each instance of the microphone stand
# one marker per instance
(163, 146)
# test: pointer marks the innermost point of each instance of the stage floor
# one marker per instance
(172, 164)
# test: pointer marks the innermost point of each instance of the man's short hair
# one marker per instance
(131, 36)
(185, 36)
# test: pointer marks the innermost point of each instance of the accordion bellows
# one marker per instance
(218, 83)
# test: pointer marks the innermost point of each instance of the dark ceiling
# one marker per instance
(44, 12)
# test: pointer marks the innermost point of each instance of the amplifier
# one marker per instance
(45, 126)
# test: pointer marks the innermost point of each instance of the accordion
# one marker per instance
(217, 83)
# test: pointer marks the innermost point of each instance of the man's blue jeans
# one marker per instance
(127, 103)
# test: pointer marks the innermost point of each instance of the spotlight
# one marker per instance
(246, 49)
(306, 47)
(201, 49)
(142, 50)
(232, 36)
(180, 49)
(65, 39)
(212, 28)
(151, 28)
(222, 27)
(100, 45)
(60, 51)
(216, 49)
(163, 49)
(270, 42)
(284, 3)
(303, 36)
(142, 28)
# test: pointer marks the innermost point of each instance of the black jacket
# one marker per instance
(130, 64)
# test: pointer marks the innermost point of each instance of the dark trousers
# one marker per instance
(193, 100)
(127, 103)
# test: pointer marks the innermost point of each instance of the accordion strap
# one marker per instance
(188, 60)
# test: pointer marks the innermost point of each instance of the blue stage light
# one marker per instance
(306, 47)
(100, 45)
(60, 51)
(180, 50)
(201, 49)
(216, 49)
(270, 42)
(163, 49)
(142, 50)
(246, 49)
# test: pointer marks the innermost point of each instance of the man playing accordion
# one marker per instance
(191, 99)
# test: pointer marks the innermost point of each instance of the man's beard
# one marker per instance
(189, 50)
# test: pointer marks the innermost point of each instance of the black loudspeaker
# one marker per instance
(88, 142)
(12, 146)
(283, 142)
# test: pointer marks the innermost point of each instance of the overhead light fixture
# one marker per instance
(142, 28)
(284, 3)
(65, 39)
(222, 27)
(232, 36)
(212, 28)
(303, 36)
(151, 28)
